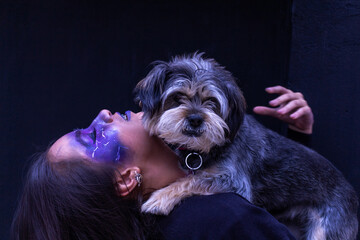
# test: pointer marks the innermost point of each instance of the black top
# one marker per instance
(220, 216)
(303, 138)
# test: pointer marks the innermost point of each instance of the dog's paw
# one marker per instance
(162, 202)
(159, 203)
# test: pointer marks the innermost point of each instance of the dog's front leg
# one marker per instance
(162, 201)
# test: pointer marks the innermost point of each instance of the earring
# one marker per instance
(138, 178)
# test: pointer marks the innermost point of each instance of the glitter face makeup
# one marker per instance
(101, 141)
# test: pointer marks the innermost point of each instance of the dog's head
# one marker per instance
(191, 102)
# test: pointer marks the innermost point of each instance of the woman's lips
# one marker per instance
(128, 114)
(125, 116)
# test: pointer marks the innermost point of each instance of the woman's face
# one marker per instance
(110, 138)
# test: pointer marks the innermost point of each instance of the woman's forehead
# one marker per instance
(63, 149)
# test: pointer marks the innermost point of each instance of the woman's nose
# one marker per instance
(106, 116)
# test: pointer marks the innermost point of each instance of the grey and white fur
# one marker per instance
(195, 105)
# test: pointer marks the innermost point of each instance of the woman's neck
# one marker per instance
(163, 168)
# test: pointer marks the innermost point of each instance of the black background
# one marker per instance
(64, 61)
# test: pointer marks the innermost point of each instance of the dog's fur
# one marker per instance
(195, 105)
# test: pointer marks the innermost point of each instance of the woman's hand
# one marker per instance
(289, 107)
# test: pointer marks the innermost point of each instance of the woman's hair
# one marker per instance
(75, 199)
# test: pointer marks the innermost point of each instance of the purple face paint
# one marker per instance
(102, 142)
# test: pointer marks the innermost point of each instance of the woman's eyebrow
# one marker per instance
(79, 139)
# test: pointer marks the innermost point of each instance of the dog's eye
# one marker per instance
(210, 100)
(173, 101)
(140, 104)
(177, 99)
(212, 103)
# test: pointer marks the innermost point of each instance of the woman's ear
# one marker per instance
(126, 181)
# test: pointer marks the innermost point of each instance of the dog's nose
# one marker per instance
(195, 120)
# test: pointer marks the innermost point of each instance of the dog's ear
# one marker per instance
(149, 90)
(237, 108)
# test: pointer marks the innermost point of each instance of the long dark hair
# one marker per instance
(75, 199)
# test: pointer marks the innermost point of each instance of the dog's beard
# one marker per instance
(172, 124)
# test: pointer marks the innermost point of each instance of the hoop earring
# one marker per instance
(138, 178)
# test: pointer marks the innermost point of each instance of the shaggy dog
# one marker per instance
(195, 106)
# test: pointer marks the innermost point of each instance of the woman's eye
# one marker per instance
(93, 135)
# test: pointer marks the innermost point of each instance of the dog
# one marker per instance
(196, 107)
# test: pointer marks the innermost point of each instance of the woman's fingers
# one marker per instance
(277, 90)
(306, 110)
(265, 111)
(283, 99)
(292, 106)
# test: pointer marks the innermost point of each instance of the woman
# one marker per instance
(84, 186)
(90, 183)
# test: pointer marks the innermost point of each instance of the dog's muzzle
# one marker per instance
(194, 125)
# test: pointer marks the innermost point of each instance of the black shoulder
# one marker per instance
(220, 216)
